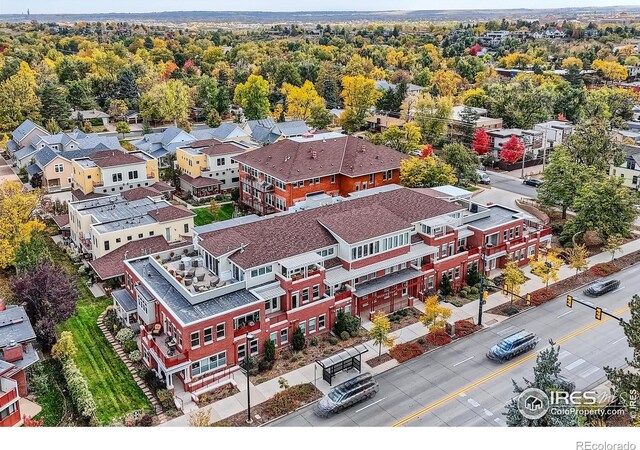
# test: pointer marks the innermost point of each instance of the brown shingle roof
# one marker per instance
(290, 160)
(358, 224)
(62, 220)
(287, 235)
(112, 264)
(169, 213)
(141, 192)
(163, 187)
(78, 195)
(200, 181)
(112, 158)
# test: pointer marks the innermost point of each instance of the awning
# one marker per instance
(270, 291)
(125, 300)
(496, 255)
(341, 275)
(344, 355)
(301, 260)
(465, 232)
(386, 281)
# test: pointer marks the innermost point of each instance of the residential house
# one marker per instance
(22, 136)
(629, 170)
(267, 131)
(482, 122)
(494, 38)
(112, 171)
(532, 139)
(275, 177)
(208, 167)
(379, 123)
(101, 225)
(271, 276)
(555, 132)
(161, 144)
(92, 115)
(226, 132)
(16, 355)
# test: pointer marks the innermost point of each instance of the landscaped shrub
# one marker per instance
(264, 365)
(542, 296)
(464, 328)
(135, 356)
(421, 341)
(298, 340)
(604, 269)
(346, 322)
(166, 399)
(438, 338)
(445, 285)
(111, 321)
(474, 291)
(405, 352)
(297, 356)
(124, 335)
(129, 346)
(289, 400)
(510, 310)
(473, 277)
(146, 420)
(153, 381)
(353, 333)
(333, 340)
(344, 335)
(313, 341)
(79, 390)
(269, 349)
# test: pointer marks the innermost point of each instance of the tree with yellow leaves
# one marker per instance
(359, 95)
(613, 244)
(577, 257)
(572, 63)
(380, 332)
(435, 316)
(302, 101)
(546, 266)
(426, 172)
(19, 99)
(513, 278)
(446, 82)
(17, 208)
(518, 60)
(611, 70)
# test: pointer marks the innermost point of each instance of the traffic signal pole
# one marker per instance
(598, 310)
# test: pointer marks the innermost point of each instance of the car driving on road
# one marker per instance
(347, 394)
(601, 287)
(483, 177)
(513, 345)
(532, 182)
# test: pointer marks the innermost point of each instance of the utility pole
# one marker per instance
(482, 299)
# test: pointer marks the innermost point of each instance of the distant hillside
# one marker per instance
(264, 17)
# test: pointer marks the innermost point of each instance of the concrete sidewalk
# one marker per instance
(311, 373)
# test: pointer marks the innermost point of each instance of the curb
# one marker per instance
(159, 411)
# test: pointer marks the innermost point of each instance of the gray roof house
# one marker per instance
(161, 144)
(267, 131)
(16, 344)
(22, 136)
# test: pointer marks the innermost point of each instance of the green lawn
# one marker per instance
(47, 382)
(111, 384)
(204, 216)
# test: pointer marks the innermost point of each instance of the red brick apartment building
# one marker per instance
(275, 177)
(270, 275)
(16, 354)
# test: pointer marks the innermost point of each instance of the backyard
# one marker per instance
(111, 384)
(204, 216)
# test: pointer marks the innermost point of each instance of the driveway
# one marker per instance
(7, 173)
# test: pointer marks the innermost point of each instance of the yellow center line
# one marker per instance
(501, 371)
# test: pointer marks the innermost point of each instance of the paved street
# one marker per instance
(508, 182)
(458, 386)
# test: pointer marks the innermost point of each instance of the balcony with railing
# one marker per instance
(165, 348)
(8, 391)
(246, 328)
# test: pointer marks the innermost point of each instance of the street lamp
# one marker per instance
(483, 257)
(248, 337)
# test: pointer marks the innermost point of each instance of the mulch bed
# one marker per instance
(282, 403)
(404, 318)
(217, 394)
(374, 362)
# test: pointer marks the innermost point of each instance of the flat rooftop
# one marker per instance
(499, 215)
(167, 294)
(117, 213)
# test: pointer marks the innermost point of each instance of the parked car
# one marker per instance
(532, 182)
(347, 394)
(513, 345)
(483, 178)
(601, 287)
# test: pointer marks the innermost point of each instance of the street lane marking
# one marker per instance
(463, 361)
(575, 364)
(619, 340)
(499, 372)
(371, 404)
(589, 303)
(505, 331)
(488, 413)
(564, 314)
(564, 354)
(473, 403)
(589, 371)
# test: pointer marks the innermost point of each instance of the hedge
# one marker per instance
(79, 390)
(405, 352)
(542, 296)
(604, 269)
(438, 338)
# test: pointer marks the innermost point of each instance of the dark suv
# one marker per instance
(601, 287)
(347, 394)
(513, 345)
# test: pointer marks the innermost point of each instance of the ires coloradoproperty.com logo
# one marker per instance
(534, 403)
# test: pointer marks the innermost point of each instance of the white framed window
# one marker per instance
(322, 322)
(209, 364)
(531, 251)
(284, 336)
(430, 282)
(272, 305)
(305, 295)
(312, 325)
(207, 335)
(195, 339)
(273, 337)
(58, 168)
(261, 271)
(316, 291)
(303, 327)
(253, 347)
(220, 331)
(242, 352)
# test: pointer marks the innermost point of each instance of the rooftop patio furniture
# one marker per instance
(157, 329)
(181, 266)
(200, 276)
(188, 281)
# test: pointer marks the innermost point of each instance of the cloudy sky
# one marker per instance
(71, 6)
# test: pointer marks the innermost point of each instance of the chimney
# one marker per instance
(13, 352)
(3, 304)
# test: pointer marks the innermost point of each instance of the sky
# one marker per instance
(101, 6)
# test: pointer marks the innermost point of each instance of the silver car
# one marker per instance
(347, 394)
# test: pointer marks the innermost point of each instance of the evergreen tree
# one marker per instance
(546, 375)
(127, 89)
(469, 118)
(473, 276)
(298, 340)
(54, 104)
(445, 285)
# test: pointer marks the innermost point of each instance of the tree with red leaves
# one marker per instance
(481, 142)
(475, 49)
(512, 150)
(49, 295)
(427, 150)
(29, 422)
